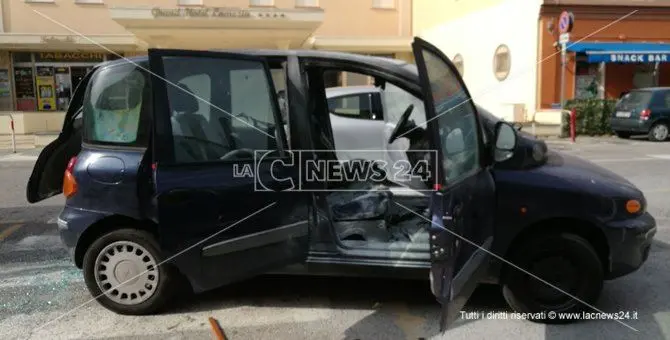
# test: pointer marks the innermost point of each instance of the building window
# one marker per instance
(39, 1)
(502, 62)
(385, 4)
(458, 62)
(87, 2)
(261, 2)
(189, 2)
(306, 3)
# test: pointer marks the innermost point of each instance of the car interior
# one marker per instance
(368, 213)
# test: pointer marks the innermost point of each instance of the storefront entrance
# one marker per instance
(45, 81)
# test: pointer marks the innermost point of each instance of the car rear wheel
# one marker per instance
(122, 269)
(621, 134)
(659, 132)
(567, 262)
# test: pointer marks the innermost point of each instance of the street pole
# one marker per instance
(563, 76)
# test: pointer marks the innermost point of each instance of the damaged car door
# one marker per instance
(463, 202)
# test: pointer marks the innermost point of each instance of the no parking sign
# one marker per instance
(565, 22)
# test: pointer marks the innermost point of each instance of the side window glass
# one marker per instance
(221, 109)
(352, 106)
(114, 101)
(666, 101)
(456, 119)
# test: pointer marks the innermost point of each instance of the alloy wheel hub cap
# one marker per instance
(126, 272)
(661, 132)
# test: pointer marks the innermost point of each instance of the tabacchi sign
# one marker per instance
(210, 12)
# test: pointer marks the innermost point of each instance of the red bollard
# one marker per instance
(573, 124)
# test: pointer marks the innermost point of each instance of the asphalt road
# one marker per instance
(42, 294)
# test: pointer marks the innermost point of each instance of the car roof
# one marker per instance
(396, 66)
(346, 90)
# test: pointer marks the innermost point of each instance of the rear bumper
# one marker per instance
(71, 225)
(630, 125)
(629, 241)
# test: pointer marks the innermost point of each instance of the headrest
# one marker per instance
(182, 99)
(113, 99)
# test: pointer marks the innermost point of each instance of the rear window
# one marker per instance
(635, 99)
(115, 100)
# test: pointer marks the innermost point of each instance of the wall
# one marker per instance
(430, 13)
(476, 37)
(360, 17)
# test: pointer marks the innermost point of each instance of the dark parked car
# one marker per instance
(180, 164)
(643, 111)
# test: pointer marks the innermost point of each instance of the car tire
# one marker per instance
(622, 135)
(135, 258)
(584, 270)
(659, 132)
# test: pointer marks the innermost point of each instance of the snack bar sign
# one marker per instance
(211, 12)
(630, 58)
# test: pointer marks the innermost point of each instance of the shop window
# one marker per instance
(458, 62)
(384, 4)
(113, 103)
(261, 2)
(587, 80)
(502, 62)
(306, 3)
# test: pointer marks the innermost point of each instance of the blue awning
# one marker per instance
(612, 52)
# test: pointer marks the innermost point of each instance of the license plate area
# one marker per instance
(623, 114)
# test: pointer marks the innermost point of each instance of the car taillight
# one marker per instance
(69, 182)
(644, 115)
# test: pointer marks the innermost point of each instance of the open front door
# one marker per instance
(224, 178)
(463, 205)
(46, 179)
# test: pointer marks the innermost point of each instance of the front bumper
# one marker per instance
(629, 242)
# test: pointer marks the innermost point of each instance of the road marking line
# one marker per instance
(666, 156)
(614, 160)
(7, 232)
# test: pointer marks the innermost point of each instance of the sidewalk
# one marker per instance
(20, 155)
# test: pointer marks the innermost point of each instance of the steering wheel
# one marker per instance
(401, 123)
(235, 154)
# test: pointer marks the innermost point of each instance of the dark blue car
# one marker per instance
(643, 111)
(181, 165)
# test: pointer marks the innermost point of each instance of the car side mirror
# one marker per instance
(518, 126)
(505, 141)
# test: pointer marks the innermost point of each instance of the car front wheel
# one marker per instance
(562, 266)
(122, 271)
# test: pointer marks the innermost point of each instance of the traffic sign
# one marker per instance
(565, 22)
(564, 38)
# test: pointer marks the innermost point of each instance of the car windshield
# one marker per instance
(634, 100)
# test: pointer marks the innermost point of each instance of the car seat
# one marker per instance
(187, 122)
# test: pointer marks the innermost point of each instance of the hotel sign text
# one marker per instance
(210, 12)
